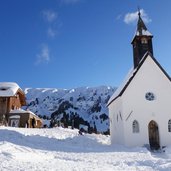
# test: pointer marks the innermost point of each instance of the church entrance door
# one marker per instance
(153, 132)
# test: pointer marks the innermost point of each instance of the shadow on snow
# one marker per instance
(77, 144)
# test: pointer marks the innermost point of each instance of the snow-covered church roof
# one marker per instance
(120, 90)
(121, 87)
(8, 89)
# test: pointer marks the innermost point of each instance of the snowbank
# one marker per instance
(64, 149)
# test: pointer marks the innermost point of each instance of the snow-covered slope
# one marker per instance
(59, 149)
(84, 105)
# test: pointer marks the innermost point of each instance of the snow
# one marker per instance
(22, 111)
(18, 111)
(28, 149)
(144, 33)
(14, 117)
(82, 101)
(8, 89)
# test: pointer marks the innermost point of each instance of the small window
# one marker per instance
(135, 126)
(169, 125)
(149, 96)
(144, 41)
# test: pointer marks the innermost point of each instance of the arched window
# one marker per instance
(135, 126)
(144, 41)
(169, 125)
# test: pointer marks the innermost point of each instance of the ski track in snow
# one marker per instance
(23, 149)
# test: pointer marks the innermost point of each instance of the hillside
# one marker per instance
(59, 149)
(84, 106)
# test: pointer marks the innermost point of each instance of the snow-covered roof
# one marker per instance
(8, 89)
(18, 111)
(22, 111)
(121, 87)
(14, 117)
(126, 81)
(143, 33)
(131, 75)
(141, 29)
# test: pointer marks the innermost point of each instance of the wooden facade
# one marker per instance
(12, 98)
(10, 103)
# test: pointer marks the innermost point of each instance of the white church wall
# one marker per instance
(116, 122)
(149, 78)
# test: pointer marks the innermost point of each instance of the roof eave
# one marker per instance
(112, 101)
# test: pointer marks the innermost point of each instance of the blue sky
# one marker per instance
(75, 43)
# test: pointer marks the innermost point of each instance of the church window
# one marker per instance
(149, 96)
(169, 125)
(144, 41)
(135, 126)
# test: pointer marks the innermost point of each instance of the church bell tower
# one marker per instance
(142, 41)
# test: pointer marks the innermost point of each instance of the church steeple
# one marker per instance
(142, 41)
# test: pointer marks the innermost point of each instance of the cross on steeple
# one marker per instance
(139, 13)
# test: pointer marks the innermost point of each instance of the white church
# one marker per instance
(140, 109)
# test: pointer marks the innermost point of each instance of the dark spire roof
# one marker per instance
(141, 27)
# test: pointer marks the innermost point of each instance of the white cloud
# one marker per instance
(51, 32)
(50, 15)
(44, 55)
(132, 17)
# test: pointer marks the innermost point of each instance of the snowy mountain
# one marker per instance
(83, 106)
(59, 149)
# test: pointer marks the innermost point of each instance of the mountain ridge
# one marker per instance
(72, 107)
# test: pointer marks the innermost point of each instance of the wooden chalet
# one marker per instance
(12, 98)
